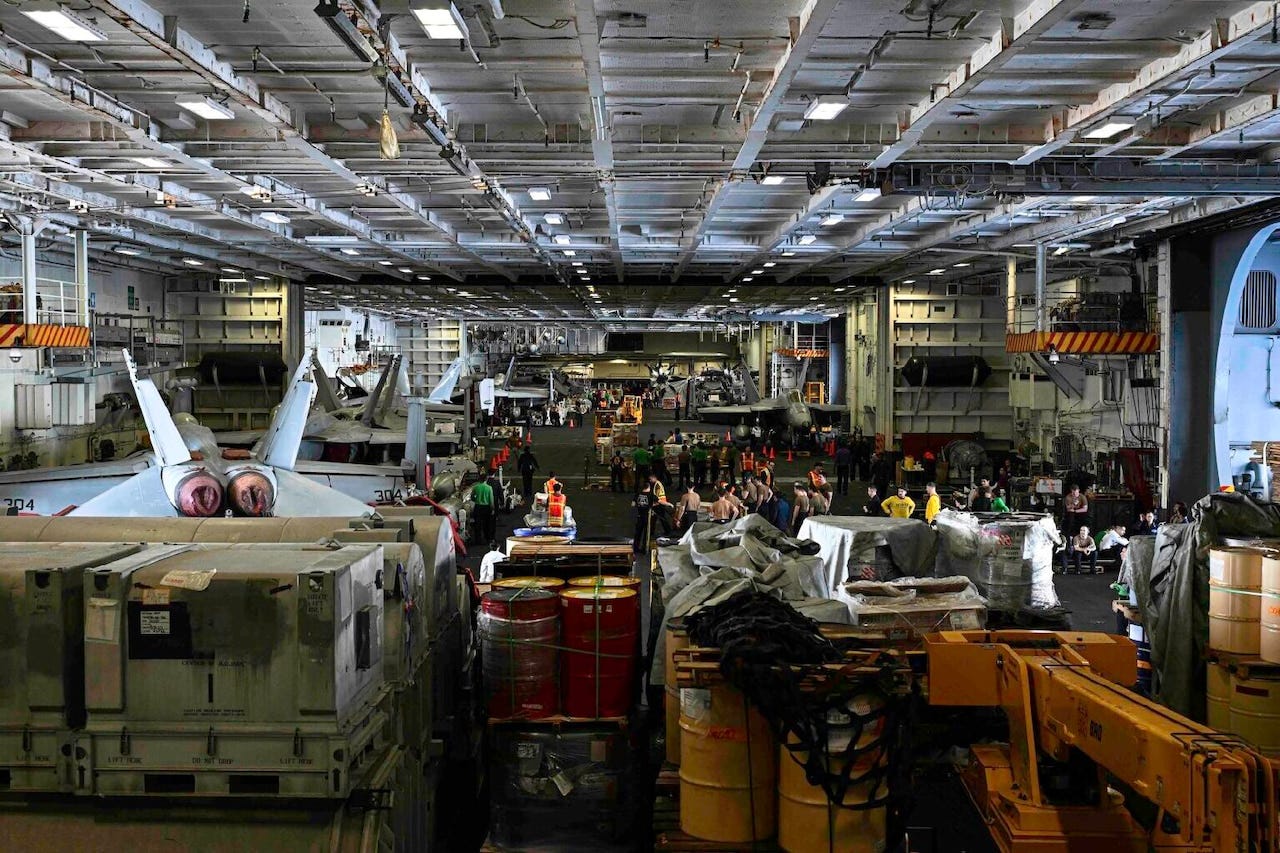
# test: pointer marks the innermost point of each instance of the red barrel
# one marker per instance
(599, 633)
(519, 630)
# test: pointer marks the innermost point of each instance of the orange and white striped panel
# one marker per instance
(1081, 343)
(43, 335)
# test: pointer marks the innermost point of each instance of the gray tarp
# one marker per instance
(846, 540)
(712, 562)
(1173, 592)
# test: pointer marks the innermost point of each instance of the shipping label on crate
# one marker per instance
(153, 622)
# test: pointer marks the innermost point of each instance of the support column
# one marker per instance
(1164, 276)
(1042, 275)
(885, 396)
(1011, 294)
(82, 277)
(29, 228)
(763, 384)
(852, 357)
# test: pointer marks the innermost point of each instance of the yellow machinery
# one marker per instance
(631, 411)
(1071, 723)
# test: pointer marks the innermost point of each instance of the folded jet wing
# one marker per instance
(186, 473)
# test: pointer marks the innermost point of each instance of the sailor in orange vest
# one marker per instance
(818, 480)
(748, 462)
(552, 485)
(555, 507)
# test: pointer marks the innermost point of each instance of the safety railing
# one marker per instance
(58, 303)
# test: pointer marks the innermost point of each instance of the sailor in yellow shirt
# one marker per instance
(900, 506)
(933, 505)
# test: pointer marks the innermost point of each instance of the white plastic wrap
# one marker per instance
(1009, 558)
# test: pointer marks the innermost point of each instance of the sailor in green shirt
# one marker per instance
(483, 514)
(699, 457)
(640, 458)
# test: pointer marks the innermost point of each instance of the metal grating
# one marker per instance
(1258, 302)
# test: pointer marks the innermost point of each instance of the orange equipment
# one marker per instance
(1062, 694)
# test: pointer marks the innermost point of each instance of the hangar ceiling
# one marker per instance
(606, 159)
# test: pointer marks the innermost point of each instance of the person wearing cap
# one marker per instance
(899, 506)
(818, 479)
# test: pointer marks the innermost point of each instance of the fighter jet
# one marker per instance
(788, 409)
(187, 474)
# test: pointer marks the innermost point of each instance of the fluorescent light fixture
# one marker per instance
(788, 254)
(807, 239)
(768, 264)
(256, 192)
(539, 193)
(151, 162)
(1061, 250)
(126, 250)
(553, 218)
(1108, 130)
(441, 20)
(747, 279)
(757, 272)
(423, 277)
(569, 253)
(938, 271)
(561, 239)
(347, 250)
(962, 265)
(386, 263)
(577, 263)
(841, 289)
(277, 218)
(813, 299)
(869, 194)
(62, 21)
(826, 108)
(231, 270)
(734, 299)
(207, 108)
(773, 180)
(263, 277)
(832, 219)
(192, 262)
(1082, 199)
(908, 281)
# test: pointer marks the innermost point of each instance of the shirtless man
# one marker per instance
(723, 509)
(687, 508)
(819, 503)
(800, 507)
(731, 495)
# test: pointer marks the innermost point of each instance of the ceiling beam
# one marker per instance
(588, 24)
(824, 197)
(805, 34)
(1220, 38)
(1013, 36)
(1234, 121)
(912, 206)
(162, 33)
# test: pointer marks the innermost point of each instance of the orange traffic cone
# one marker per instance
(773, 453)
(727, 437)
(789, 457)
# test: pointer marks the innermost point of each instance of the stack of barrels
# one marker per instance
(1243, 676)
(552, 647)
(738, 785)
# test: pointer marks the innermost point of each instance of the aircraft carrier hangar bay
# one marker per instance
(621, 425)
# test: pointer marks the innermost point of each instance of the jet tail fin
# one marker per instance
(375, 396)
(166, 441)
(324, 386)
(443, 392)
(280, 445)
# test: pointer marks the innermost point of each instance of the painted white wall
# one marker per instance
(336, 344)
(109, 284)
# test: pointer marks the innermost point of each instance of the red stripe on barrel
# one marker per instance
(600, 626)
